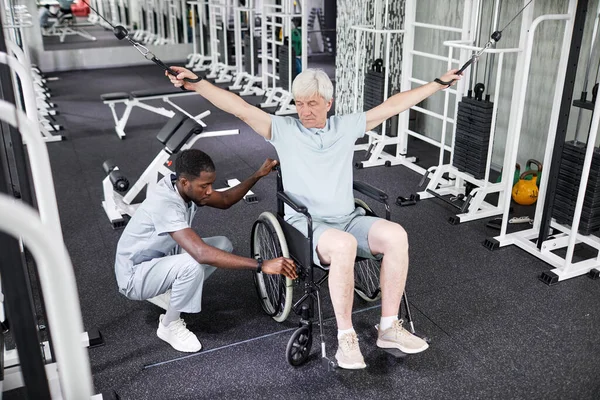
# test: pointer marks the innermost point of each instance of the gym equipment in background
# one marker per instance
(138, 98)
(179, 133)
(464, 183)
(276, 18)
(377, 86)
(555, 233)
(247, 46)
(19, 18)
(121, 33)
(525, 191)
(60, 366)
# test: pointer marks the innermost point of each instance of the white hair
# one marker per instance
(312, 81)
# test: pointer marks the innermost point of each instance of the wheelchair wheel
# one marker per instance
(298, 347)
(274, 291)
(367, 271)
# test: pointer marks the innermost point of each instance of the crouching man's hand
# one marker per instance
(280, 266)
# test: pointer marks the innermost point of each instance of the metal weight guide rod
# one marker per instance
(121, 33)
(494, 38)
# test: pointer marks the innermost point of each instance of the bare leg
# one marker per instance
(391, 240)
(338, 249)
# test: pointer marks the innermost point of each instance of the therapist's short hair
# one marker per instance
(191, 163)
(312, 81)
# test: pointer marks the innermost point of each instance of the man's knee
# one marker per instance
(334, 243)
(397, 235)
(386, 237)
(190, 270)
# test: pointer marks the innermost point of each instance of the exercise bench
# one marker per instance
(179, 133)
(138, 98)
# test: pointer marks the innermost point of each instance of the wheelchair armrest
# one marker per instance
(297, 206)
(370, 191)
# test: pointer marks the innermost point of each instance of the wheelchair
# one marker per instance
(273, 237)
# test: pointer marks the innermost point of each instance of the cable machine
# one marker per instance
(563, 221)
(278, 58)
(376, 88)
(60, 367)
(464, 182)
(246, 42)
(199, 60)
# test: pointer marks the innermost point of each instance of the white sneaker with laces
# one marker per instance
(178, 336)
(348, 355)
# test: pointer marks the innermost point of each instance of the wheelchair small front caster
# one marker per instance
(298, 347)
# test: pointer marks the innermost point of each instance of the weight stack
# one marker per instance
(248, 56)
(373, 92)
(230, 60)
(472, 139)
(567, 186)
(284, 66)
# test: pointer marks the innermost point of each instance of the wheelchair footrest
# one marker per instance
(329, 363)
(394, 353)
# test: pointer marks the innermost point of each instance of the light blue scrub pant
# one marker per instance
(180, 273)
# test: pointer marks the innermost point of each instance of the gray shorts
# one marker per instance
(357, 223)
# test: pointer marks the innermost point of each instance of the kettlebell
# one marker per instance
(516, 177)
(538, 165)
(525, 192)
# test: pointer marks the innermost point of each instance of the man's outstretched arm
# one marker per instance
(229, 197)
(403, 101)
(231, 103)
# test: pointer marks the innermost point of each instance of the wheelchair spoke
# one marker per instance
(366, 278)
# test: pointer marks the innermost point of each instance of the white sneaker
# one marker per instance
(178, 336)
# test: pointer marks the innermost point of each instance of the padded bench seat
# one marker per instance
(156, 92)
(115, 96)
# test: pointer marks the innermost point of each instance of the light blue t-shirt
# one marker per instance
(316, 164)
(146, 236)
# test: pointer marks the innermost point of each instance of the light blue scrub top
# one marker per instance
(146, 236)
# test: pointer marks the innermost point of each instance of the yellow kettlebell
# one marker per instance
(525, 192)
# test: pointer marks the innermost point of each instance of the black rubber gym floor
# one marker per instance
(497, 332)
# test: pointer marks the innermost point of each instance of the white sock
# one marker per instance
(170, 316)
(342, 332)
(386, 322)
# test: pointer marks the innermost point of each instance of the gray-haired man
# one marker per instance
(316, 163)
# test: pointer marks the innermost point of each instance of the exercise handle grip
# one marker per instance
(170, 70)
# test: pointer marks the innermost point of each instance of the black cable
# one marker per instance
(509, 22)
(98, 14)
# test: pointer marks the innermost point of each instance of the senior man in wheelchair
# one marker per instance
(316, 155)
(147, 263)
